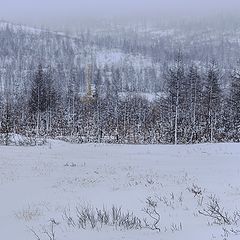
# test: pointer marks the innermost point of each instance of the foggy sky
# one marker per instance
(61, 10)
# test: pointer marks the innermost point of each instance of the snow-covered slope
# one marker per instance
(38, 185)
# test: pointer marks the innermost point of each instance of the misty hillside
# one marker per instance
(149, 45)
(145, 48)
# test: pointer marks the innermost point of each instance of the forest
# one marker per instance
(161, 91)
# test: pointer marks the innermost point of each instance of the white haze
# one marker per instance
(64, 11)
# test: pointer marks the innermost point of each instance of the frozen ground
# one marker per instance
(39, 186)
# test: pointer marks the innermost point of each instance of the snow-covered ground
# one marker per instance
(39, 186)
(117, 57)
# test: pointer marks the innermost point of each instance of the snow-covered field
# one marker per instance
(46, 188)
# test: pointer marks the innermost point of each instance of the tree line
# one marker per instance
(195, 105)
